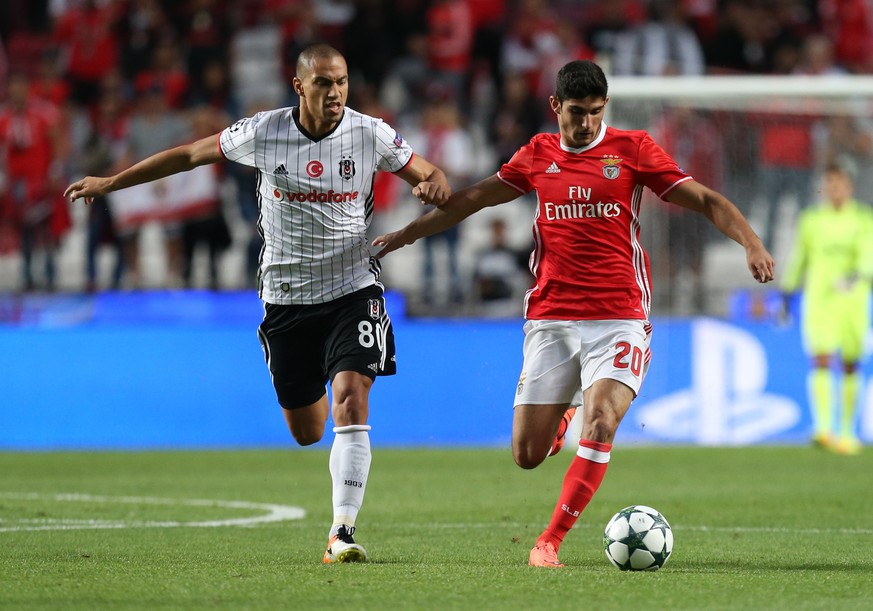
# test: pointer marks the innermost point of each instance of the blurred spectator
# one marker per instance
(489, 17)
(30, 142)
(783, 54)
(567, 45)
(739, 44)
(206, 32)
(516, 120)
(166, 73)
(216, 91)
(141, 24)
(49, 83)
(450, 36)
(299, 26)
(696, 144)
(817, 57)
(849, 24)
(87, 38)
(367, 48)
(606, 20)
(153, 127)
(664, 45)
(702, 16)
(530, 36)
(407, 77)
(101, 152)
(444, 142)
(500, 274)
(207, 226)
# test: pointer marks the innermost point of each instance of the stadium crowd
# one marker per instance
(91, 86)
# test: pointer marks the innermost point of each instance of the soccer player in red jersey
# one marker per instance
(587, 328)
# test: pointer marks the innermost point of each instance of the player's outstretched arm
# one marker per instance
(730, 221)
(172, 161)
(488, 192)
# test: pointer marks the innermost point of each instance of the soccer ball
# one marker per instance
(638, 538)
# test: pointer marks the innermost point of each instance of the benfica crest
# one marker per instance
(611, 168)
(347, 168)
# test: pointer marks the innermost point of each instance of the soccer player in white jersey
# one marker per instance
(587, 331)
(325, 317)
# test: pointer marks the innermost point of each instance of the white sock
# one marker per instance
(349, 467)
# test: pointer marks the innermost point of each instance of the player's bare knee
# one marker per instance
(308, 436)
(528, 457)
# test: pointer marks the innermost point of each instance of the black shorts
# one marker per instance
(307, 345)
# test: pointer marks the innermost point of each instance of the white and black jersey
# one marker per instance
(316, 200)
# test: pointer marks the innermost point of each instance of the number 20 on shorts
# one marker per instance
(621, 360)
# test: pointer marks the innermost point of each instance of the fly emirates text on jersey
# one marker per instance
(575, 209)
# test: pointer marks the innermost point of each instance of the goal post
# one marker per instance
(750, 89)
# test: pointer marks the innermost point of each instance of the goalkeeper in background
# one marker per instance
(832, 258)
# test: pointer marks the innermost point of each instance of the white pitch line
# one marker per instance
(279, 513)
(680, 528)
(274, 513)
(779, 529)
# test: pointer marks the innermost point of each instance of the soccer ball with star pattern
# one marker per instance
(638, 538)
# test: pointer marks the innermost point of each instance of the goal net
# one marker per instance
(762, 141)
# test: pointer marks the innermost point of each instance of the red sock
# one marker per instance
(582, 480)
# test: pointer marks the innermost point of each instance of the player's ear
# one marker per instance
(297, 84)
(555, 104)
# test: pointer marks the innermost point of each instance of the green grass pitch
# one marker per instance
(755, 528)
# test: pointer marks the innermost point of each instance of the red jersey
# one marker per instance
(588, 260)
(26, 140)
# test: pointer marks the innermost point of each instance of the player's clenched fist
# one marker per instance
(431, 193)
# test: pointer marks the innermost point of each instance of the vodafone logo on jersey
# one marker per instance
(315, 168)
(316, 196)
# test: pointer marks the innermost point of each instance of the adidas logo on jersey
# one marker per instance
(281, 171)
(553, 169)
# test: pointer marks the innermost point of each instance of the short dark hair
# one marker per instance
(580, 79)
(312, 52)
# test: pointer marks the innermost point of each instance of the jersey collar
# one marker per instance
(295, 114)
(600, 136)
